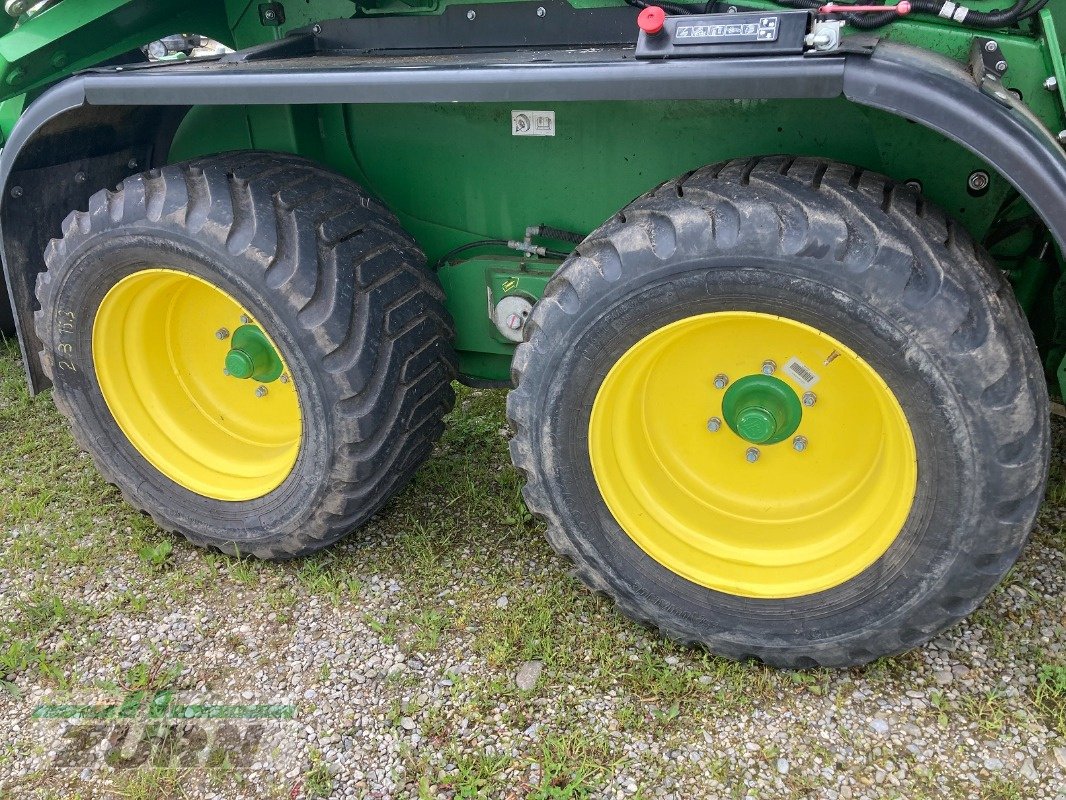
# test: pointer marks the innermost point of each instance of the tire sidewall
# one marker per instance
(922, 561)
(90, 272)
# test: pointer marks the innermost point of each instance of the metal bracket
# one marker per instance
(988, 66)
(271, 15)
(986, 60)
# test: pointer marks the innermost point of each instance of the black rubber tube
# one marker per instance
(976, 19)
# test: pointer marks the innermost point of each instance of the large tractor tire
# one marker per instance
(785, 409)
(250, 347)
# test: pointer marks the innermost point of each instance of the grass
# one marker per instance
(1050, 695)
(152, 783)
(78, 566)
(317, 780)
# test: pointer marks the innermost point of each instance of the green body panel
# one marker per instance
(474, 287)
(74, 35)
(477, 181)
(453, 173)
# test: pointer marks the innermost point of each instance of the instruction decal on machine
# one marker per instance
(763, 31)
(532, 123)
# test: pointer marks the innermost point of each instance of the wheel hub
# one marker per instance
(252, 356)
(762, 409)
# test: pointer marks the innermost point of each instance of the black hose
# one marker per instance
(1034, 10)
(974, 19)
(503, 243)
(444, 259)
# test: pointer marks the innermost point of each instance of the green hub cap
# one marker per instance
(762, 409)
(251, 356)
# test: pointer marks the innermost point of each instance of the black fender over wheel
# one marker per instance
(828, 250)
(347, 349)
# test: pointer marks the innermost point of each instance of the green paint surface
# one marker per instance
(453, 173)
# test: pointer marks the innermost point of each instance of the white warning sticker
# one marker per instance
(532, 123)
(800, 373)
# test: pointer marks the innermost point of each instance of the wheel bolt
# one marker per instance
(261, 391)
(978, 181)
(284, 378)
(799, 443)
(713, 424)
(752, 455)
(809, 399)
(721, 381)
(769, 366)
(245, 319)
(221, 334)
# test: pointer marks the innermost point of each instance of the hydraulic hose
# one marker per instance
(938, 8)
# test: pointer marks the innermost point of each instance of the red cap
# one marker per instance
(651, 19)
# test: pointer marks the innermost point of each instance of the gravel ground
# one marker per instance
(444, 651)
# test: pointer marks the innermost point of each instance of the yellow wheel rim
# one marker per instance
(160, 344)
(794, 521)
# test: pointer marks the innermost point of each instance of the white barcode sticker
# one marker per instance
(800, 373)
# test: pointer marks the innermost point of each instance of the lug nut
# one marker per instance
(809, 399)
(245, 319)
(752, 455)
(714, 424)
(284, 378)
(799, 443)
(769, 366)
(261, 391)
(721, 381)
(221, 334)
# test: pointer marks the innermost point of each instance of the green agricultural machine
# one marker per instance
(791, 403)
